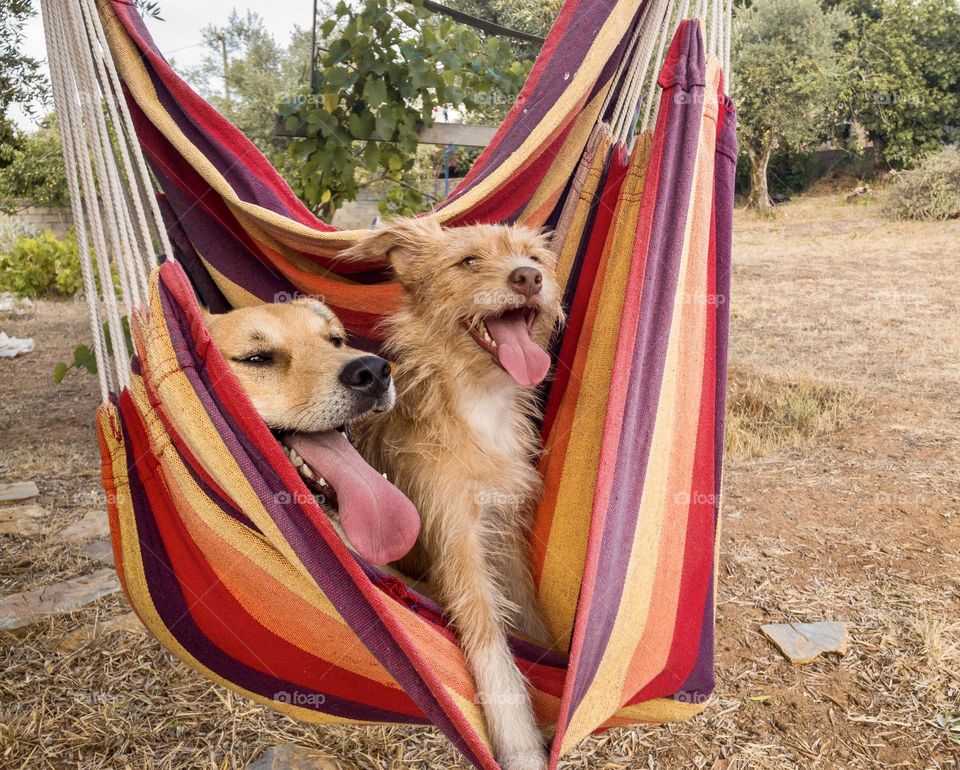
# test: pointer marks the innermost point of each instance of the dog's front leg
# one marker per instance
(513, 565)
(472, 596)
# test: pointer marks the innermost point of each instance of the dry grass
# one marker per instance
(768, 413)
(842, 502)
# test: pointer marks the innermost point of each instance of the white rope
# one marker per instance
(652, 106)
(84, 124)
(65, 104)
(141, 182)
(107, 178)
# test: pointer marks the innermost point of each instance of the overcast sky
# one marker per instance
(178, 36)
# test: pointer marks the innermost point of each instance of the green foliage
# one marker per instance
(12, 229)
(245, 74)
(903, 82)
(85, 360)
(384, 68)
(931, 191)
(786, 77)
(21, 81)
(35, 169)
(41, 266)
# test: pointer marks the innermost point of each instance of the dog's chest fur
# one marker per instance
(491, 413)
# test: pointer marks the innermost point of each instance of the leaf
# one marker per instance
(60, 371)
(361, 125)
(375, 92)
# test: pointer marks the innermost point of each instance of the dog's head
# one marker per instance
(489, 291)
(293, 362)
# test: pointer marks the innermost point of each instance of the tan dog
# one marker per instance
(481, 303)
(308, 385)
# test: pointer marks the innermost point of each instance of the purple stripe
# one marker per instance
(296, 527)
(170, 604)
(681, 137)
(569, 55)
(701, 681)
(230, 164)
(218, 246)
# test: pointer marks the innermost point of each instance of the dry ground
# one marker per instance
(842, 503)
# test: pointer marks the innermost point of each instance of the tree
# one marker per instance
(245, 74)
(384, 68)
(35, 169)
(904, 83)
(21, 81)
(786, 78)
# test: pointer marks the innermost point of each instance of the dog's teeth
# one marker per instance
(385, 476)
(296, 459)
(306, 470)
(322, 481)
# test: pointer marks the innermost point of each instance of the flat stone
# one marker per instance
(18, 491)
(28, 607)
(289, 756)
(803, 642)
(100, 551)
(94, 524)
(22, 519)
(127, 622)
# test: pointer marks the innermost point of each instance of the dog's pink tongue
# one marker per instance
(523, 358)
(377, 518)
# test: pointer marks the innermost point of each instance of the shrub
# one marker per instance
(11, 229)
(931, 191)
(42, 265)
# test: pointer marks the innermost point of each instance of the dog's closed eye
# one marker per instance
(259, 358)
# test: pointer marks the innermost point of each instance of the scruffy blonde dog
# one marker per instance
(468, 349)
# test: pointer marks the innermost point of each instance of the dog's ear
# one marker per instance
(400, 242)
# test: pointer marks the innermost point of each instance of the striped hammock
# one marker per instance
(224, 554)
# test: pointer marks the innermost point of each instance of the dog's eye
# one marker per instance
(533, 258)
(468, 261)
(256, 359)
(337, 341)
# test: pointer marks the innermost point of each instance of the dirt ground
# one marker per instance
(855, 521)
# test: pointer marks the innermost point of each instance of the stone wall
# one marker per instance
(59, 220)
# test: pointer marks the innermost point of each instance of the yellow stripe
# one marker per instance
(136, 581)
(605, 694)
(566, 549)
(581, 80)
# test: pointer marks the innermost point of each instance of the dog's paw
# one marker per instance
(523, 760)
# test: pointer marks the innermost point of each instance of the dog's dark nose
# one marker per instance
(369, 375)
(526, 281)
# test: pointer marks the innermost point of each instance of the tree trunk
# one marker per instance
(759, 197)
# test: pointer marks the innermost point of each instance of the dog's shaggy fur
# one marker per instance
(461, 444)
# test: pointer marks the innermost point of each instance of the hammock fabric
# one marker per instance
(227, 558)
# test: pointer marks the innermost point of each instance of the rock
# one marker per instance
(802, 642)
(127, 622)
(28, 607)
(18, 491)
(94, 524)
(289, 756)
(22, 519)
(100, 551)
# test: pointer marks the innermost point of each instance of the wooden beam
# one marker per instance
(463, 134)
